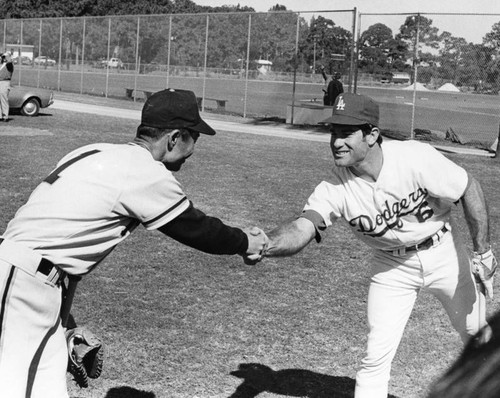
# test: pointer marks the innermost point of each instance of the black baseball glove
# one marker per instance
(86, 354)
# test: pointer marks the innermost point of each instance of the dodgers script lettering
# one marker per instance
(390, 217)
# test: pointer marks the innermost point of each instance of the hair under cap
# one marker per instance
(174, 109)
(355, 110)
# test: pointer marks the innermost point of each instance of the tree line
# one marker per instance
(440, 56)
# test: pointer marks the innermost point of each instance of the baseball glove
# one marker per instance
(86, 353)
(484, 267)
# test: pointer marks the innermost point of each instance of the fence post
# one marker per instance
(83, 55)
(415, 71)
(205, 67)
(39, 53)
(137, 58)
(353, 48)
(248, 64)
(20, 63)
(295, 65)
(107, 59)
(169, 49)
(60, 57)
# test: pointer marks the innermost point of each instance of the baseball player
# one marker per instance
(333, 89)
(397, 197)
(95, 197)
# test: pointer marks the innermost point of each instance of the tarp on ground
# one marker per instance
(449, 87)
(420, 87)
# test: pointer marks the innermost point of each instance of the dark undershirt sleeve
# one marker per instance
(317, 220)
(208, 234)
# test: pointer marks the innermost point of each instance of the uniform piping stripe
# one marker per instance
(52, 177)
(36, 358)
(6, 291)
(180, 202)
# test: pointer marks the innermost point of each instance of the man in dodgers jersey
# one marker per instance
(397, 198)
(92, 201)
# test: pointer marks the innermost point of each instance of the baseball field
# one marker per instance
(474, 117)
(178, 323)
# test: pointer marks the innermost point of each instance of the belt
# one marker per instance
(31, 262)
(424, 245)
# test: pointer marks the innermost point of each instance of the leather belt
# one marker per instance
(31, 262)
(424, 245)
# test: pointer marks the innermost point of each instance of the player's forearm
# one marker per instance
(476, 215)
(290, 238)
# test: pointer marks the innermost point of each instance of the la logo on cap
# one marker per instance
(341, 104)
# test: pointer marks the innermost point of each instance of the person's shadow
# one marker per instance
(258, 378)
(128, 392)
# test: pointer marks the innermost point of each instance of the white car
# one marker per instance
(115, 63)
(43, 60)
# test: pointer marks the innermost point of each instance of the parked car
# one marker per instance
(28, 101)
(24, 60)
(114, 63)
(43, 60)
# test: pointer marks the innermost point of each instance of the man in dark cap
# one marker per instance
(333, 90)
(397, 197)
(95, 197)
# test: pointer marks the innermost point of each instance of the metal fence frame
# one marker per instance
(135, 68)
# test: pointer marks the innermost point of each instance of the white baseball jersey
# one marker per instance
(92, 201)
(410, 201)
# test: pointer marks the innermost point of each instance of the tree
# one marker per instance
(323, 40)
(427, 34)
(451, 54)
(375, 49)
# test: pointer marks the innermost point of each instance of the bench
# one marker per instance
(221, 103)
(130, 91)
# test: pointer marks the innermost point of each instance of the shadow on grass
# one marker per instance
(128, 392)
(258, 378)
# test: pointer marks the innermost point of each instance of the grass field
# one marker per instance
(178, 323)
(475, 117)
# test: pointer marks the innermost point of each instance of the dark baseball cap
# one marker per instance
(355, 110)
(174, 109)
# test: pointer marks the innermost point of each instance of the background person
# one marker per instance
(6, 70)
(93, 200)
(401, 207)
(333, 89)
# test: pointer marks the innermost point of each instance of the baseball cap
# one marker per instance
(355, 110)
(174, 109)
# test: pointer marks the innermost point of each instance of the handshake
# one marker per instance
(257, 245)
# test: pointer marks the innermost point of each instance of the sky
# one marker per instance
(472, 28)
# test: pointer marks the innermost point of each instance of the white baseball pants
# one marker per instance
(4, 98)
(33, 353)
(444, 270)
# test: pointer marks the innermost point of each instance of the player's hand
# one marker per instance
(257, 242)
(484, 267)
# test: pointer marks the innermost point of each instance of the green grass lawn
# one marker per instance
(178, 323)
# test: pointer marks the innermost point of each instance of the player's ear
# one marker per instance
(372, 136)
(173, 137)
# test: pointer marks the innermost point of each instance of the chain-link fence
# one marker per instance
(429, 77)
(264, 64)
(250, 64)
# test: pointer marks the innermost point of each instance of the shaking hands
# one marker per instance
(257, 243)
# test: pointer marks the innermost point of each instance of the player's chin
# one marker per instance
(341, 161)
(174, 166)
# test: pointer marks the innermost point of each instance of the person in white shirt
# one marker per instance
(397, 197)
